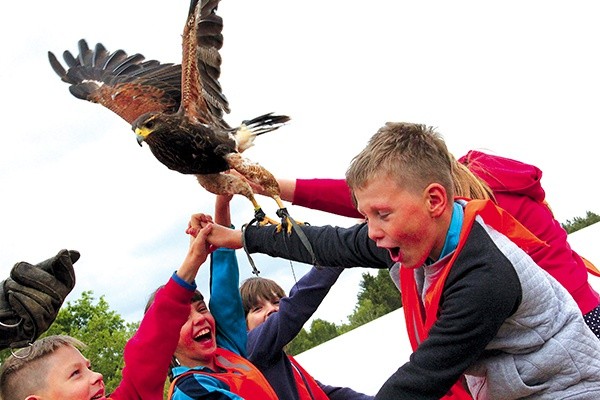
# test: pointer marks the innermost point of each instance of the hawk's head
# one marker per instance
(147, 124)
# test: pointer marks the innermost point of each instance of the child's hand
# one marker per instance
(196, 255)
(218, 236)
(200, 248)
(221, 236)
(196, 223)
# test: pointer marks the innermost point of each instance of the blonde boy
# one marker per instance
(52, 368)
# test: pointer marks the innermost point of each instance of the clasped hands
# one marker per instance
(217, 235)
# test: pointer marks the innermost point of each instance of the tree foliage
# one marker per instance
(581, 222)
(320, 332)
(381, 291)
(301, 343)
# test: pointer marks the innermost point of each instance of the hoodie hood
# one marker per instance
(505, 175)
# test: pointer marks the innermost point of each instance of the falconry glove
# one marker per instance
(10, 322)
(31, 297)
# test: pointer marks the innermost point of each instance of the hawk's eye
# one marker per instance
(149, 124)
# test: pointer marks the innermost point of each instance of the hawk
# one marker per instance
(177, 109)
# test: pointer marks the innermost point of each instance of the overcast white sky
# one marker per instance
(515, 78)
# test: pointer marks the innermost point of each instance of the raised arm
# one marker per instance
(223, 210)
(225, 302)
(266, 342)
(158, 333)
(329, 195)
(333, 246)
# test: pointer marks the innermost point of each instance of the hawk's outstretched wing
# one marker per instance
(127, 85)
(202, 98)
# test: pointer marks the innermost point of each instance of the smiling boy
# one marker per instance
(52, 368)
(274, 320)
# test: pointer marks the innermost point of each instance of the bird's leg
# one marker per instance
(286, 219)
(249, 172)
(255, 173)
(260, 215)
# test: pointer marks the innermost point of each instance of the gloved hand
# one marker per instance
(10, 322)
(32, 296)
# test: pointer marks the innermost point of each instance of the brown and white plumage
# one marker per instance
(177, 109)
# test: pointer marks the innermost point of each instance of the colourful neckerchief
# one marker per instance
(241, 377)
(420, 319)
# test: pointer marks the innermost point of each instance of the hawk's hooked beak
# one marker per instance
(139, 136)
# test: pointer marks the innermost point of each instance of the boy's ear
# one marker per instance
(33, 397)
(437, 200)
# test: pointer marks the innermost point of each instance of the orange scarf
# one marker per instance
(417, 324)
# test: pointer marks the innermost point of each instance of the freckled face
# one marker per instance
(259, 313)
(70, 377)
(399, 220)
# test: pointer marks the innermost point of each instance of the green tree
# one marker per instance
(322, 331)
(380, 290)
(378, 296)
(581, 222)
(366, 311)
(300, 343)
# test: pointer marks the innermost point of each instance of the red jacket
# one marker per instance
(517, 189)
(146, 371)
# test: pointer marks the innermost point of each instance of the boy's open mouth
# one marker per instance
(99, 395)
(204, 334)
(394, 253)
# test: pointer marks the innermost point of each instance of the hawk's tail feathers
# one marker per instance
(265, 123)
(250, 129)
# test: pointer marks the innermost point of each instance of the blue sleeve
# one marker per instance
(202, 387)
(266, 342)
(186, 285)
(225, 303)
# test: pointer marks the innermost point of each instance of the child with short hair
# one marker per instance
(51, 368)
(513, 185)
(476, 304)
(274, 320)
